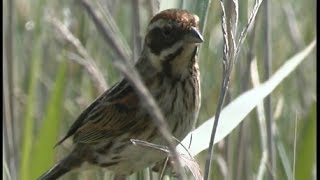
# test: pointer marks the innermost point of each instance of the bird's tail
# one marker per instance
(67, 164)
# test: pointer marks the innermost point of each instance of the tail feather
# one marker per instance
(67, 164)
(54, 173)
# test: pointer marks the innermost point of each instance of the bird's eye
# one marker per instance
(166, 31)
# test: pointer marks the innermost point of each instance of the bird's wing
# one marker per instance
(114, 111)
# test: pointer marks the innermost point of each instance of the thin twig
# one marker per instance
(125, 66)
(231, 21)
(223, 90)
(150, 145)
(236, 19)
(185, 148)
(164, 168)
(194, 163)
(244, 32)
(230, 55)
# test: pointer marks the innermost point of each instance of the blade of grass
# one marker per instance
(27, 139)
(239, 108)
(35, 72)
(43, 150)
(306, 150)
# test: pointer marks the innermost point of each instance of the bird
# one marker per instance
(168, 65)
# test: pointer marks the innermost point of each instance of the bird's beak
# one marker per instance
(193, 36)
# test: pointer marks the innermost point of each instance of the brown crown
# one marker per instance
(183, 17)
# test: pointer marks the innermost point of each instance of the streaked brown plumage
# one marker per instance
(169, 69)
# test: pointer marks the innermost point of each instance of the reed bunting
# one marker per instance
(169, 69)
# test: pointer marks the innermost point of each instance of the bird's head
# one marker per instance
(172, 39)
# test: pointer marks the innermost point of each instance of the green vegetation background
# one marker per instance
(48, 90)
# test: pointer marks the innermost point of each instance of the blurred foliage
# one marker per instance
(50, 90)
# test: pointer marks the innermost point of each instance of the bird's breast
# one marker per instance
(179, 100)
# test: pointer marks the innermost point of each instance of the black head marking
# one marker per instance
(168, 27)
(163, 38)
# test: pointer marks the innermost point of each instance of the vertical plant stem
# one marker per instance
(136, 37)
(230, 141)
(227, 67)
(294, 148)
(8, 93)
(222, 96)
(267, 102)
(229, 22)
